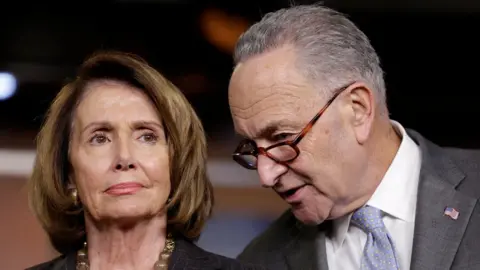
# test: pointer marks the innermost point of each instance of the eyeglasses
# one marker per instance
(246, 153)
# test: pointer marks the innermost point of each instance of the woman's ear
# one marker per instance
(71, 183)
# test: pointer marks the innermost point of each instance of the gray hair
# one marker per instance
(331, 49)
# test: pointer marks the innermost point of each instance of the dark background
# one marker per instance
(429, 51)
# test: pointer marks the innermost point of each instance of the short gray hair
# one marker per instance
(331, 49)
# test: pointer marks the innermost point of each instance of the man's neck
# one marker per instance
(137, 246)
(384, 147)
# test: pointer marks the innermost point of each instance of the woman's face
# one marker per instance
(119, 154)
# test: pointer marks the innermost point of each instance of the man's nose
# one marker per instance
(269, 171)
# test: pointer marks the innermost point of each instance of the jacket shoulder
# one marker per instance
(447, 160)
(226, 263)
(188, 255)
(57, 263)
(468, 161)
(235, 264)
(266, 246)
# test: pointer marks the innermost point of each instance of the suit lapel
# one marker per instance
(437, 236)
(307, 249)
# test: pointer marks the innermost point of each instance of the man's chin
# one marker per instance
(307, 217)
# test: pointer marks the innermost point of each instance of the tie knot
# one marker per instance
(368, 218)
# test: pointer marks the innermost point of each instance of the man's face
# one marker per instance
(271, 102)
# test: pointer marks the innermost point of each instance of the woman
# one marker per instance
(120, 178)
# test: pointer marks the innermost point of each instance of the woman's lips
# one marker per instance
(126, 188)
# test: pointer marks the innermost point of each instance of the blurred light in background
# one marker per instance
(8, 85)
(221, 29)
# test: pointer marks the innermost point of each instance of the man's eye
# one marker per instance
(282, 136)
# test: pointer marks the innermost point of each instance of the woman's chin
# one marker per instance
(126, 214)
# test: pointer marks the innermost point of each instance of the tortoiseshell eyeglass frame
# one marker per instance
(237, 154)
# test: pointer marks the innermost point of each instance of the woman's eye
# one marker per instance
(149, 137)
(99, 139)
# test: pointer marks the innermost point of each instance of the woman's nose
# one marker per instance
(124, 166)
(124, 159)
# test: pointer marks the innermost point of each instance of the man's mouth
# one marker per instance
(291, 192)
(292, 195)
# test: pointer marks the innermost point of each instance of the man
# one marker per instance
(365, 193)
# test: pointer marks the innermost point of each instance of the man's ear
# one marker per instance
(362, 101)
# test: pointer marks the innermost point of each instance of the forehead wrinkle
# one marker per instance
(279, 101)
(263, 80)
(275, 115)
(250, 102)
(247, 98)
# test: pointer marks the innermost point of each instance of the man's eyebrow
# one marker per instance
(267, 130)
(274, 126)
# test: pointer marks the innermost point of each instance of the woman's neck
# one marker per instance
(138, 246)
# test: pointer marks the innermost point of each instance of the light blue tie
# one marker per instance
(379, 251)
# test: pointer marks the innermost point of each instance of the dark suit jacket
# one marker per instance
(448, 178)
(186, 256)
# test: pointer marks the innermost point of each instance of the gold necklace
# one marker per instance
(160, 264)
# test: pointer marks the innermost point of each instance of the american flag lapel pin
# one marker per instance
(451, 212)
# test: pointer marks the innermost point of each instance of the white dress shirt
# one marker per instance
(396, 196)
